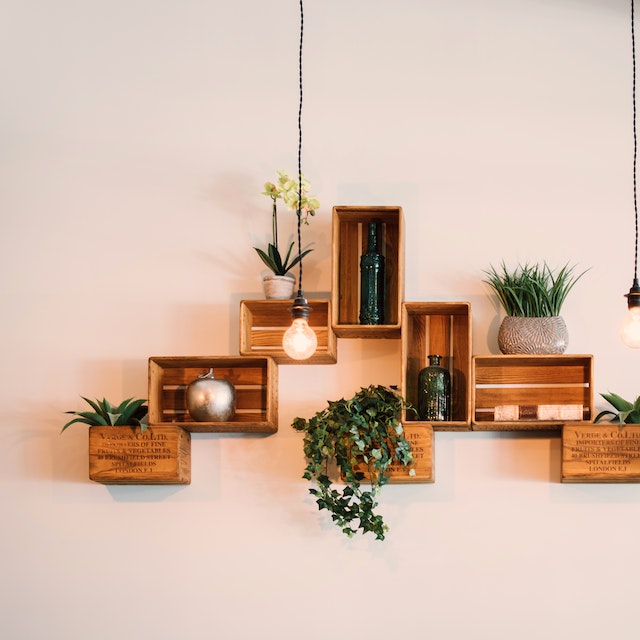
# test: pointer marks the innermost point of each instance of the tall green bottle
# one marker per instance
(372, 281)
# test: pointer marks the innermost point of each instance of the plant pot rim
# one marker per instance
(534, 317)
(271, 276)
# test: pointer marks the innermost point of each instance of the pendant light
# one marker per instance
(630, 332)
(299, 340)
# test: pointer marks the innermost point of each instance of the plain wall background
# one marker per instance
(134, 141)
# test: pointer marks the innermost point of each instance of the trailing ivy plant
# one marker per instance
(129, 412)
(627, 412)
(364, 436)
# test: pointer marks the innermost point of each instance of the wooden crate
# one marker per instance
(128, 455)
(420, 435)
(421, 438)
(263, 323)
(255, 380)
(562, 385)
(600, 453)
(442, 328)
(349, 240)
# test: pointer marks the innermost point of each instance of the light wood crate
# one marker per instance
(438, 328)
(255, 380)
(420, 435)
(561, 381)
(128, 455)
(264, 322)
(601, 453)
(349, 241)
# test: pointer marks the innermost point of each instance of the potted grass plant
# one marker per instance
(532, 295)
(363, 436)
(280, 282)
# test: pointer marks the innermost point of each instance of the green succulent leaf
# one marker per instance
(627, 412)
(618, 402)
(128, 412)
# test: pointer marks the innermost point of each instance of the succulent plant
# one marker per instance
(129, 412)
(628, 412)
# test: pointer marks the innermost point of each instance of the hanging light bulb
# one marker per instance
(299, 340)
(630, 332)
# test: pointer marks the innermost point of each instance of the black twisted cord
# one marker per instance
(299, 211)
(635, 144)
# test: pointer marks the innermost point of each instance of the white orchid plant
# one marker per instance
(287, 190)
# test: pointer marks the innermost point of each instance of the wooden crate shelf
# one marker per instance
(128, 455)
(602, 453)
(420, 435)
(442, 328)
(503, 384)
(263, 323)
(255, 380)
(349, 239)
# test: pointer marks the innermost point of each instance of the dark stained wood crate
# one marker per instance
(563, 382)
(255, 380)
(349, 240)
(438, 328)
(264, 322)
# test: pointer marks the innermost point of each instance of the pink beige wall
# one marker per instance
(134, 140)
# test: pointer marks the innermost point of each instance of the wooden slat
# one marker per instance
(237, 376)
(393, 271)
(246, 398)
(276, 313)
(348, 265)
(183, 416)
(272, 338)
(493, 397)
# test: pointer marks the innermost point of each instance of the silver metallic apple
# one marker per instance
(211, 399)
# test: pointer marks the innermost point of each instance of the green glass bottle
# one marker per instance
(372, 281)
(434, 392)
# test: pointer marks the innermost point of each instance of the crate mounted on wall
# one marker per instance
(438, 328)
(420, 435)
(263, 323)
(536, 392)
(349, 241)
(255, 380)
(128, 455)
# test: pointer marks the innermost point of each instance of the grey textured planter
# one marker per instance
(537, 336)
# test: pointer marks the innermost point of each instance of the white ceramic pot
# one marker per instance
(278, 287)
